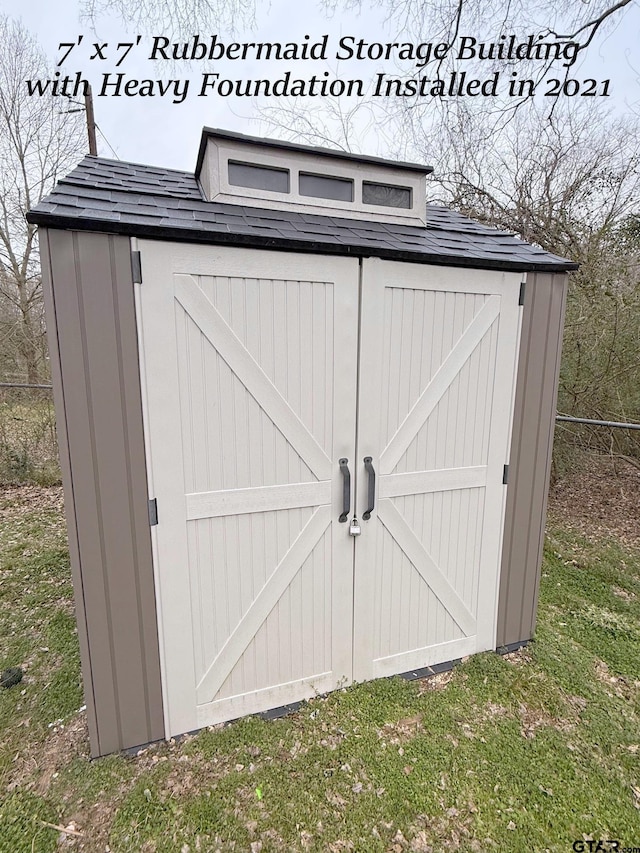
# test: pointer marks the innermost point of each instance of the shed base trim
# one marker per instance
(512, 647)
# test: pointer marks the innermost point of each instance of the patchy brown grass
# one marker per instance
(37, 764)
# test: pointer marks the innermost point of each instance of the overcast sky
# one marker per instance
(155, 130)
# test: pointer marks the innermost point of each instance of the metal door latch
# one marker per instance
(354, 527)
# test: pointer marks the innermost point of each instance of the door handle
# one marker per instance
(366, 515)
(346, 489)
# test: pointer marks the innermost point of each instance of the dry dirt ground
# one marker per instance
(599, 500)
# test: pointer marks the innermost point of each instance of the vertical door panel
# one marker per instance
(437, 370)
(250, 362)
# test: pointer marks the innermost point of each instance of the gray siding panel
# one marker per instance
(65, 466)
(92, 320)
(548, 405)
(530, 459)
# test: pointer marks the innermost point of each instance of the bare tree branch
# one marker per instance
(593, 25)
(175, 18)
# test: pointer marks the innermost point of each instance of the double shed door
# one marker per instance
(260, 370)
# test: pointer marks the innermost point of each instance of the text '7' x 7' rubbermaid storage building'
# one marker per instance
(305, 428)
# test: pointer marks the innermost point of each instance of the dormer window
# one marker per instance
(258, 177)
(254, 172)
(386, 195)
(320, 186)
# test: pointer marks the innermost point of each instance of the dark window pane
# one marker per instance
(318, 186)
(386, 195)
(258, 177)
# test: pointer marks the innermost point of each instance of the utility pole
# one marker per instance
(91, 122)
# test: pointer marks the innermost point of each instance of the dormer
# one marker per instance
(246, 170)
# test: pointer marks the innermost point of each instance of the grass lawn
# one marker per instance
(529, 752)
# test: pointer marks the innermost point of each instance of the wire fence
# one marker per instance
(613, 424)
(23, 385)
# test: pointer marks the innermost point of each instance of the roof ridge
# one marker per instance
(93, 158)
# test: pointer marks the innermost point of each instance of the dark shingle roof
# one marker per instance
(145, 201)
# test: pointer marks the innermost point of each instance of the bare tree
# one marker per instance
(446, 20)
(38, 144)
(558, 182)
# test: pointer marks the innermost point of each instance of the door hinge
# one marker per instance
(153, 512)
(523, 285)
(505, 475)
(136, 267)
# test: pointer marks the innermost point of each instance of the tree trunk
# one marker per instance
(28, 345)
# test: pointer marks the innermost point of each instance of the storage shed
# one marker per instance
(305, 428)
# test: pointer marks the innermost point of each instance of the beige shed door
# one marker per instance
(249, 363)
(437, 374)
(261, 370)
